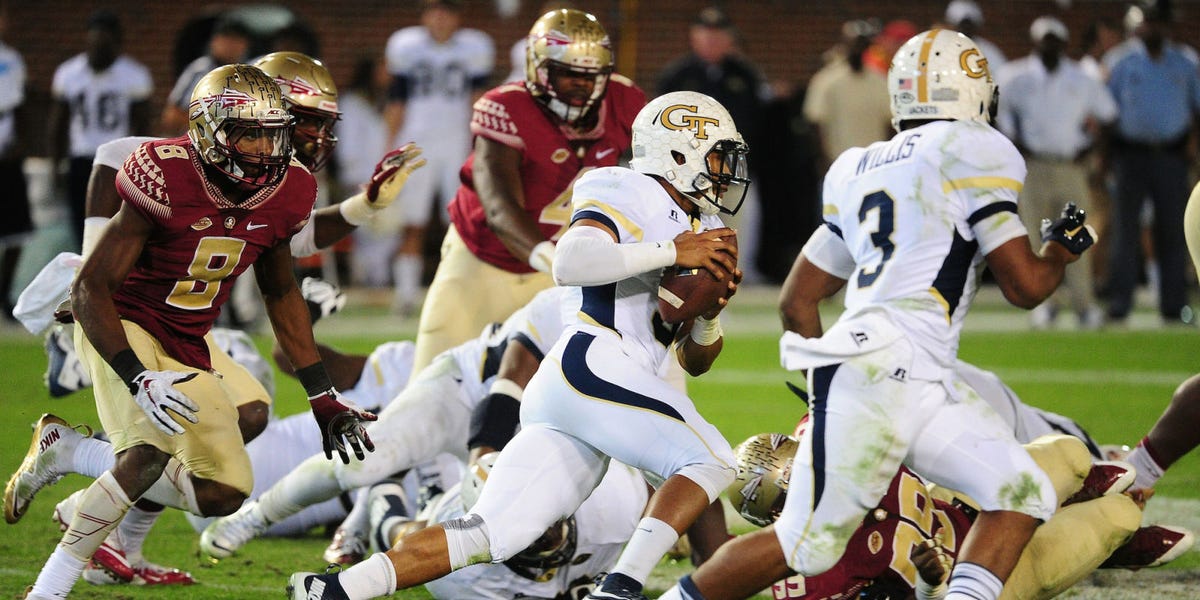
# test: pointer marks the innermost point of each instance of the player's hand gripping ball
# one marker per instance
(686, 293)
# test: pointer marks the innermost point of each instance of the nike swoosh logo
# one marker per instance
(252, 226)
(600, 154)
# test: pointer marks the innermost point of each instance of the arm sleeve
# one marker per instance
(304, 242)
(588, 256)
(828, 251)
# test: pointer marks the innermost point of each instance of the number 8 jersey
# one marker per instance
(201, 241)
(915, 216)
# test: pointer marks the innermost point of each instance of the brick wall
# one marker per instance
(785, 37)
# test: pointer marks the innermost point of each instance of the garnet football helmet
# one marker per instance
(764, 466)
(572, 42)
(941, 74)
(239, 125)
(690, 140)
(312, 98)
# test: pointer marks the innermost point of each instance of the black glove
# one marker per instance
(341, 421)
(1070, 230)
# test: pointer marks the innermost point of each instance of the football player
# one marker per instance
(197, 211)
(598, 394)
(563, 563)
(908, 224)
(532, 140)
(432, 415)
(439, 69)
(886, 555)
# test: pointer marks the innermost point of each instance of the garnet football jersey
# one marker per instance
(201, 242)
(553, 156)
(878, 551)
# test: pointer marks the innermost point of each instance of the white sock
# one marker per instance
(134, 528)
(652, 539)
(93, 457)
(311, 482)
(969, 581)
(406, 275)
(175, 489)
(59, 575)
(1148, 470)
(358, 520)
(370, 578)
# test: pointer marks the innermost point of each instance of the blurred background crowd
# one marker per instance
(1092, 91)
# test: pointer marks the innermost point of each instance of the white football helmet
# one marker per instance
(941, 74)
(764, 467)
(690, 140)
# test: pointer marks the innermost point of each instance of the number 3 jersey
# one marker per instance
(552, 157)
(201, 241)
(915, 216)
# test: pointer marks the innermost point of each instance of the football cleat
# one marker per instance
(311, 586)
(1106, 477)
(615, 586)
(1151, 546)
(1115, 451)
(64, 373)
(49, 457)
(347, 548)
(108, 565)
(148, 573)
(225, 536)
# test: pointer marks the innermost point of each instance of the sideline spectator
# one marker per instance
(229, 43)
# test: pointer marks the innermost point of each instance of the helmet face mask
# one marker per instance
(311, 98)
(940, 74)
(564, 47)
(239, 125)
(689, 140)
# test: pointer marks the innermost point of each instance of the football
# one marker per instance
(688, 293)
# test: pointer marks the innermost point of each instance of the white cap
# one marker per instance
(963, 10)
(1044, 26)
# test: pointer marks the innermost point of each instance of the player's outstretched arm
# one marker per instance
(329, 224)
(800, 297)
(1027, 279)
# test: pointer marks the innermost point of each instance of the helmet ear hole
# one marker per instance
(678, 157)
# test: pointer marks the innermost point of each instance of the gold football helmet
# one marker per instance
(563, 44)
(764, 466)
(239, 124)
(312, 98)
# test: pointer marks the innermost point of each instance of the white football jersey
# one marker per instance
(638, 209)
(441, 79)
(603, 523)
(917, 214)
(100, 102)
(536, 326)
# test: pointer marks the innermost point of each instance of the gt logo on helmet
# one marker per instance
(693, 122)
(974, 68)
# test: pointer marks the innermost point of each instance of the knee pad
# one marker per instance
(467, 541)
(710, 477)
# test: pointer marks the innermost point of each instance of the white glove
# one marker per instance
(323, 298)
(155, 393)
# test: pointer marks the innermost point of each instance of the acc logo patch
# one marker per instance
(875, 542)
(693, 121)
(905, 97)
(202, 224)
(559, 156)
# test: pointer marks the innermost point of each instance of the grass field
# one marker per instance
(1115, 383)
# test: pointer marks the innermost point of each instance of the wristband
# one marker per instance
(507, 387)
(356, 210)
(542, 256)
(925, 591)
(314, 379)
(127, 366)
(705, 332)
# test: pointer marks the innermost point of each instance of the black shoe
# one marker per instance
(616, 586)
(311, 586)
